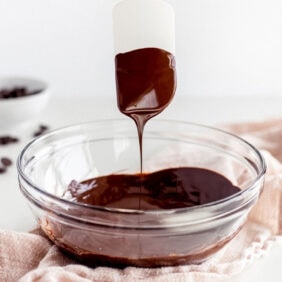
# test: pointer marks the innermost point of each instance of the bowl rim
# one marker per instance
(218, 203)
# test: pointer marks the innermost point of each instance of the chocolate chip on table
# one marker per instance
(42, 129)
(6, 161)
(6, 139)
(15, 92)
(2, 169)
(4, 164)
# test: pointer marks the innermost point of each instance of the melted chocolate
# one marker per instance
(145, 83)
(123, 252)
(117, 246)
(170, 188)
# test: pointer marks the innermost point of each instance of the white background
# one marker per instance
(224, 47)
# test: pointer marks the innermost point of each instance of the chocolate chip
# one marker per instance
(2, 169)
(4, 164)
(5, 140)
(6, 161)
(41, 129)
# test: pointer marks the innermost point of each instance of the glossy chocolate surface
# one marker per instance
(170, 188)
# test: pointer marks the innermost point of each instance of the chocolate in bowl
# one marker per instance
(101, 235)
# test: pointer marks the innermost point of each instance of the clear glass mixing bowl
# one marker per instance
(96, 235)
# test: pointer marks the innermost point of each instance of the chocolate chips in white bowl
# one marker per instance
(16, 92)
(22, 99)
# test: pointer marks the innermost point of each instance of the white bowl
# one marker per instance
(16, 111)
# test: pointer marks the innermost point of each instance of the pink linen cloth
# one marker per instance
(27, 257)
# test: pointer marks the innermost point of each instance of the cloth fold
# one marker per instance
(27, 257)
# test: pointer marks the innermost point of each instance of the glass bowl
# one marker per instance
(97, 235)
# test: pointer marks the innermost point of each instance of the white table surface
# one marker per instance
(14, 212)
